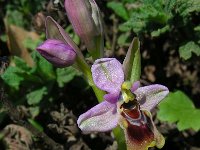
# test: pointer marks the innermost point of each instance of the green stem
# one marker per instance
(99, 93)
(119, 136)
(85, 69)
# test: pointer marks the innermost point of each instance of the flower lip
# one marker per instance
(130, 105)
(131, 110)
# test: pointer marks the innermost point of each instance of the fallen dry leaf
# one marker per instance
(17, 137)
(16, 35)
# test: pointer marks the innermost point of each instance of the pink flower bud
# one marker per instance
(57, 52)
(86, 20)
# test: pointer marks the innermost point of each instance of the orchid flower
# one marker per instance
(125, 104)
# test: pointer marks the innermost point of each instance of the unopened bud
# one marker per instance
(57, 52)
(86, 20)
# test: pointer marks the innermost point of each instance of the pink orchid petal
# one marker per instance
(86, 20)
(112, 97)
(150, 96)
(107, 74)
(55, 31)
(135, 86)
(101, 118)
(57, 52)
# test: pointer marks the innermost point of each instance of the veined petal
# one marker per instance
(107, 74)
(139, 129)
(150, 96)
(101, 118)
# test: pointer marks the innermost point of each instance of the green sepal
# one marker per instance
(132, 62)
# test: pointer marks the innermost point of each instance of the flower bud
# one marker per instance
(57, 52)
(86, 20)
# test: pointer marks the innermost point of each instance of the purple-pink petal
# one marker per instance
(101, 118)
(107, 74)
(150, 96)
(135, 86)
(55, 31)
(112, 97)
(57, 52)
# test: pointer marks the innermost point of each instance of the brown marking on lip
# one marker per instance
(139, 130)
(131, 109)
(143, 131)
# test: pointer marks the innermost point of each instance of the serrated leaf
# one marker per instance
(65, 75)
(20, 63)
(149, 15)
(186, 50)
(178, 108)
(186, 7)
(11, 78)
(160, 31)
(43, 67)
(119, 9)
(36, 96)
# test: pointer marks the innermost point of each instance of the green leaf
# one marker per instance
(160, 31)
(11, 78)
(197, 28)
(132, 62)
(178, 108)
(122, 39)
(43, 67)
(20, 63)
(34, 111)
(65, 75)
(36, 125)
(148, 16)
(186, 50)
(31, 44)
(15, 17)
(36, 96)
(186, 7)
(3, 37)
(119, 9)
